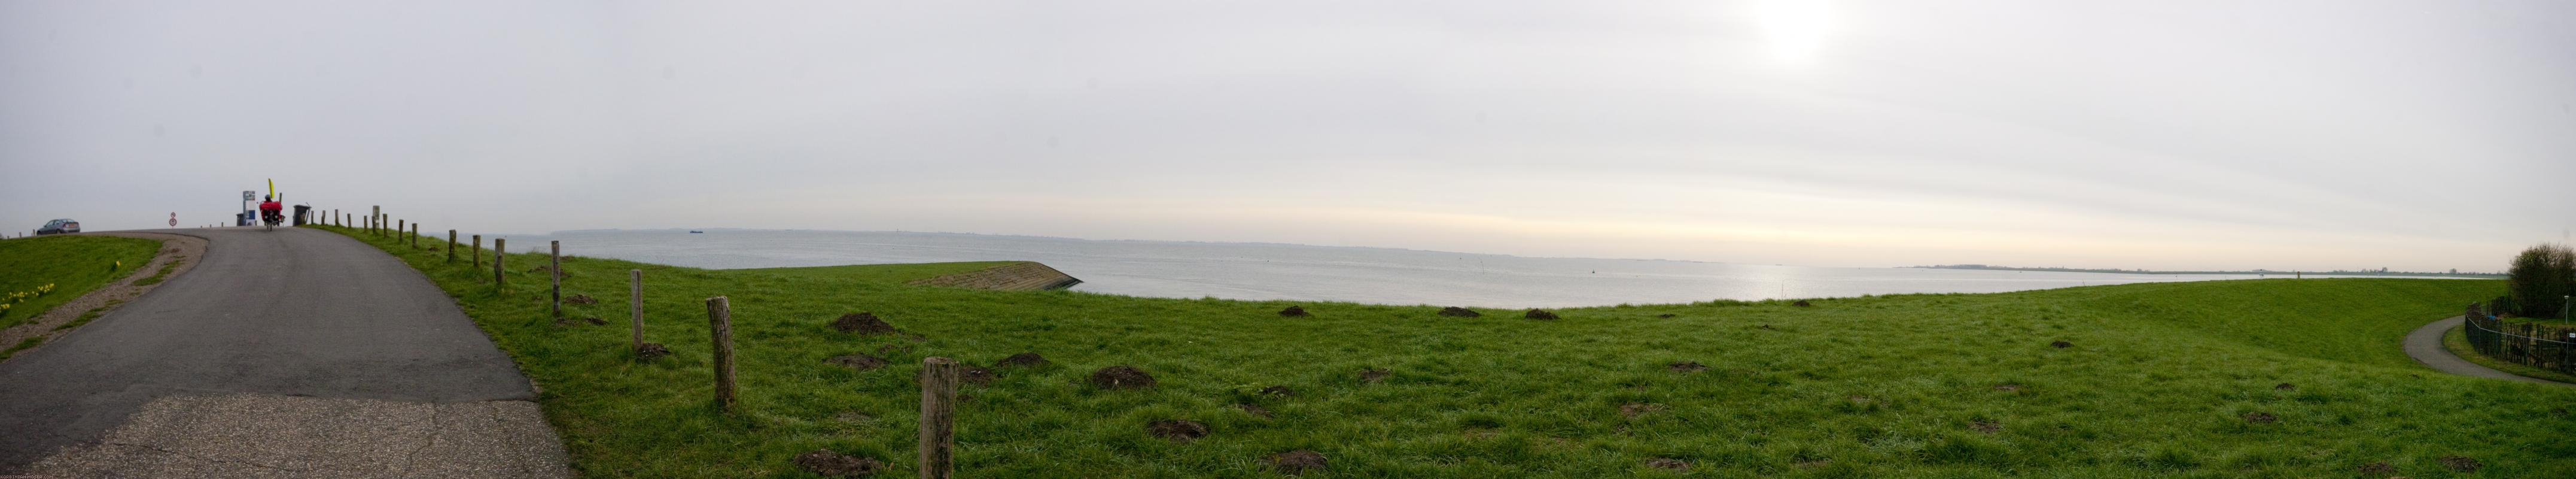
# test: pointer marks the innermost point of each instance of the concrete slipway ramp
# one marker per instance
(286, 353)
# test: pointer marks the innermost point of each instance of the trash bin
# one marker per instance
(300, 212)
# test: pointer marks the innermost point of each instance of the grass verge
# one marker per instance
(2256, 378)
(74, 265)
(2457, 341)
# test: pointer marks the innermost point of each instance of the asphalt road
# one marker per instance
(285, 313)
(2425, 345)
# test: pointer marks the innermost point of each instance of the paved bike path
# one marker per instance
(286, 353)
(2425, 345)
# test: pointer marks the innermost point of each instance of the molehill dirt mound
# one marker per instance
(1801, 303)
(2261, 418)
(543, 269)
(976, 375)
(1665, 315)
(860, 362)
(1294, 312)
(1297, 462)
(1669, 464)
(1121, 377)
(1634, 409)
(2061, 344)
(1539, 314)
(1458, 312)
(1280, 391)
(1986, 426)
(2380, 467)
(588, 320)
(1374, 376)
(1026, 360)
(1177, 430)
(652, 351)
(862, 323)
(833, 464)
(2008, 387)
(581, 299)
(2461, 464)
(1254, 410)
(1687, 367)
(2285, 387)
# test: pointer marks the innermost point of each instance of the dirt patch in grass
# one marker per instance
(1025, 360)
(1634, 409)
(652, 351)
(1458, 312)
(582, 299)
(862, 323)
(2061, 344)
(1540, 314)
(2380, 467)
(2009, 387)
(1279, 391)
(1987, 426)
(1374, 376)
(860, 362)
(1665, 315)
(583, 321)
(1177, 430)
(1254, 410)
(1669, 464)
(1801, 303)
(1121, 377)
(833, 464)
(2285, 387)
(2261, 418)
(976, 375)
(2461, 464)
(1294, 312)
(1297, 462)
(1686, 367)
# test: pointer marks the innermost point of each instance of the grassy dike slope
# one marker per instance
(2158, 381)
(73, 264)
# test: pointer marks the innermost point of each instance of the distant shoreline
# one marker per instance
(2253, 272)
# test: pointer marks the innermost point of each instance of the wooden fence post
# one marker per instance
(451, 246)
(478, 252)
(415, 235)
(720, 326)
(554, 271)
(635, 304)
(938, 416)
(399, 227)
(498, 252)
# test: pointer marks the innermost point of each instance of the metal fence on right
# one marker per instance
(2529, 344)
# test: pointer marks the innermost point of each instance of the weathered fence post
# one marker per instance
(938, 416)
(415, 235)
(451, 246)
(399, 227)
(635, 305)
(498, 252)
(478, 252)
(554, 270)
(374, 212)
(720, 327)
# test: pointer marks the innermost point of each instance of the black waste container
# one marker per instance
(300, 212)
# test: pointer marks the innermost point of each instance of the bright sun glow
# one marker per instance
(1794, 30)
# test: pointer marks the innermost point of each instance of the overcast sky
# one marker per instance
(2415, 135)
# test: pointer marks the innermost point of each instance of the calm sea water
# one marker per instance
(1320, 273)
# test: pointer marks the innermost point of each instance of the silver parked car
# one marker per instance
(60, 226)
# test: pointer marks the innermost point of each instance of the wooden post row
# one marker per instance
(499, 251)
(478, 252)
(451, 246)
(938, 417)
(554, 272)
(635, 305)
(720, 327)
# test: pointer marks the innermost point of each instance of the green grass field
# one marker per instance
(73, 264)
(2159, 380)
